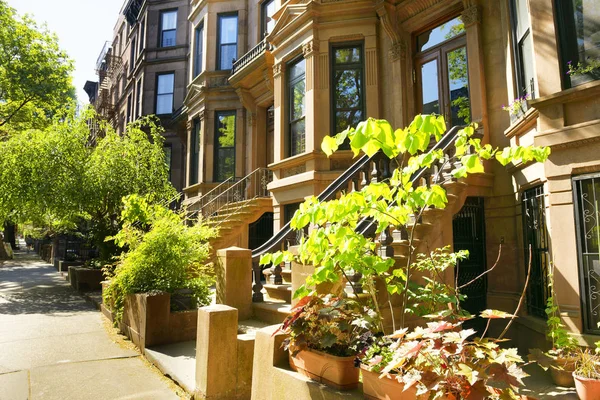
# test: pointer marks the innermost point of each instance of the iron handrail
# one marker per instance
(210, 191)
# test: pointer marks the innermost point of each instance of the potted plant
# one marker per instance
(587, 375)
(561, 358)
(325, 336)
(440, 361)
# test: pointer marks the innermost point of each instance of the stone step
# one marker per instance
(286, 274)
(279, 292)
(271, 312)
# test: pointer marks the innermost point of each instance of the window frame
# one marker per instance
(132, 54)
(439, 53)
(219, 113)
(138, 100)
(129, 107)
(161, 31)
(290, 100)
(518, 60)
(332, 69)
(263, 17)
(159, 94)
(199, 55)
(220, 16)
(195, 151)
(142, 35)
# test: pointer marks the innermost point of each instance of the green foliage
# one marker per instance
(53, 179)
(163, 254)
(35, 74)
(562, 342)
(329, 324)
(582, 68)
(334, 247)
(442, 362)
(588, 365)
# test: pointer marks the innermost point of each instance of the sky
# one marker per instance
(82, 27)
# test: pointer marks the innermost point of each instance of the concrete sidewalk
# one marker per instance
(55, 345)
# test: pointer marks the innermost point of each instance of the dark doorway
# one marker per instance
(469, 234)
(260, 231)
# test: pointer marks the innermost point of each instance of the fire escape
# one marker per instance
(107, 67)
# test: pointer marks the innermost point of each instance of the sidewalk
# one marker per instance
(54, 345)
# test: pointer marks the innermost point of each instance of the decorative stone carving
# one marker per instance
(252, 119)
(298, 169)
(398, 51)
(471, 16)
(218, 81)
(201, 114)
(309, 48)
(277, 69)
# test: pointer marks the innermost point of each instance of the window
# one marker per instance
(347, 89)
(168, 28)
(522, 47)
(195, 152)
(296, 94)
(267, 9)
(129, 105)
(124, 80)
(142, 34)
(535, 234)
(168, 149)
(199, 51)
(132, 55)
(579, 40)
(138, 101)
(224, 145)
(164, 93)
(441, 73)
(587, 213)
(227, 40)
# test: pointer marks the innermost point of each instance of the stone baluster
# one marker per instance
(277, 279)
(257, 296)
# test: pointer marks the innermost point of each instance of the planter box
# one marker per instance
(85, 279)
(385, 388)
(148, 321)
(587, 389)
(63, 266)
(337, 372)
(107, 309)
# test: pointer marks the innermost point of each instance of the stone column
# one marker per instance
(310, 51)
(234, 280)
(216, 352)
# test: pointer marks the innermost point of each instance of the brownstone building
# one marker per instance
(143, 70)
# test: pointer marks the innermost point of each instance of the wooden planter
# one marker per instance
(385, 388)
(587, 389)
(85, 279)
(337, 372)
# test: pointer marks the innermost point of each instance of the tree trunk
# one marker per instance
(9, 234)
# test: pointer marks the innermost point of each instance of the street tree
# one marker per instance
(35, 74)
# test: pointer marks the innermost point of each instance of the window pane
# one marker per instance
(445, 31)
(268, 9)
(458, 81)
(168, 38)
(430, 88)
(165, 83)
(347, 88)
(297, 69)
(526, 49)
(226, 134)
(199, 50)
(169, 20)
(297, 130)
(522, 20)
(344, 119)
(347, 55)
(164, 104)
(587, 30)
(228, 54)
(225, 146)
(228, 33)
(298, 93)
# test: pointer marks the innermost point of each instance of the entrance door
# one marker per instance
(469, 234)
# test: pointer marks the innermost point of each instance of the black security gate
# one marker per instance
(469, 234)
(587, 209)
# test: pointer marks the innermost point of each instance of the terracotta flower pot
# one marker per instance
(587, 389)
(562, 371)
(337, 372)
(385, 388)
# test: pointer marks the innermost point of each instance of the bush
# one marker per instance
(162, 254)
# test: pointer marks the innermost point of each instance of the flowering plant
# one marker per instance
(590, 65)
(442, 362)
(330, 324)
(517, 105)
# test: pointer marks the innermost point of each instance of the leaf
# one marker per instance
(472, 163)
(541, 358)
(329, 145)
(495, 314)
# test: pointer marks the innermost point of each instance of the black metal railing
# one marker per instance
(251, 55)
(360, 174)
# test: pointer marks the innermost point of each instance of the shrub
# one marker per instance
(163, 254)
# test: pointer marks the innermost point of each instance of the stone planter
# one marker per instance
(148, 320)
(337, 372)
(385, 388)
(587, 389)
(85, 279)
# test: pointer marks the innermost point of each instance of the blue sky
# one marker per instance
(82, 26)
